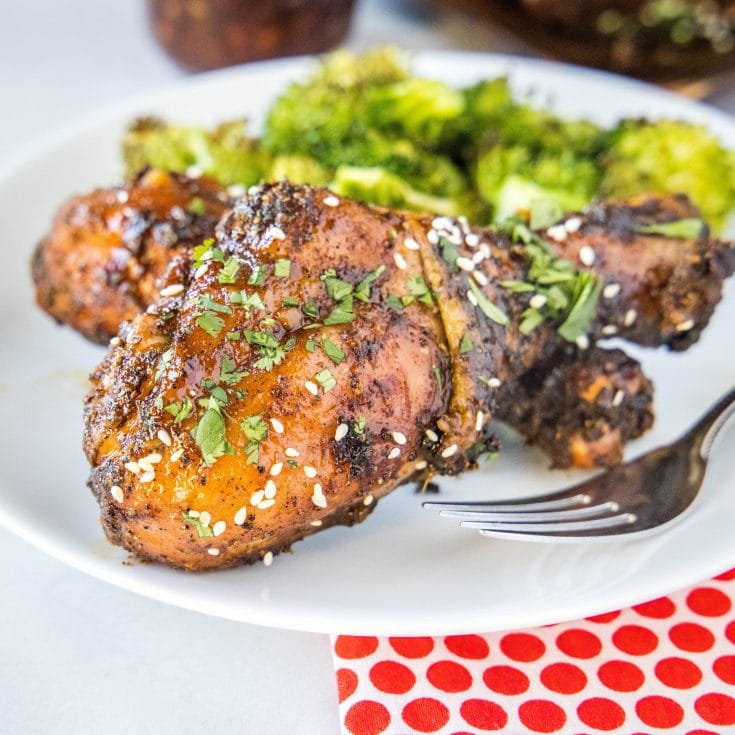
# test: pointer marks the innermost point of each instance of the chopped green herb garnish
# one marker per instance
(180, 409)
(255, 431)
(202, 530)
(326, 380)
(209, 434)
(247, 301)
(544, 213)
(438, 377)
(228, 374)
(332, 351)
(196, 206)
(292, 463)
(233, 336)
(466, 345)
(418, 288)
(337, 289)
(291, 303)
(449, 252)
(229, 271)
(362, 290)
(206, 303)
(211, 323)
(206, 252)
(517, 286)
(282, 268)
(164, 362)
(393, 301)
(310, 345)
(484, 379)
(271, 351)
(531, 319)
(311, 310)
(257, 276)
(686, 229)
(487, 307)
(342, 313)
(584, 303)
(359, 425)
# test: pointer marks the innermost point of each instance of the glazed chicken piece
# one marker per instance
(100, 263)
(320, 355)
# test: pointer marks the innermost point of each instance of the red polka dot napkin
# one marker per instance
(664, 666)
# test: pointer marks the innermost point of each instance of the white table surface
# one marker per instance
(79, 656)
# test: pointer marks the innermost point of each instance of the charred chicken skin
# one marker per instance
(100, 264)
(321, 352)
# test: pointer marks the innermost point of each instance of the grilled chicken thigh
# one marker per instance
(100, 263)
(321, 352)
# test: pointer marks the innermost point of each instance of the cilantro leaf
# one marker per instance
(686, 229)
(337, 289)
(418, 288)
(202, 530)
(229, 271)
(164, 362)
(209, 434)
(342, 313)
(326, 380)
(257, 276)
(210, 323)
(196, 206)
(282, 268)
(180, 409)
(362, 290)
(255, 431)
(466, 345)
(332, 351)
(228, 374)
(490, 310)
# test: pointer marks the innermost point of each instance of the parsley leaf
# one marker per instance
(196, 206)
(269, 348)
(164, 362)
(256, 431)
(228, 374)
(247, 301)
(291, 302)
(311, 310)
(337, 289)
(209, 434)
(257, 276)
(202, 530)
(180, 409)
(362, 290)
(229, 271)
(206, 303)
(205, 252)
(544, 213)
(466, 345)
(487, 307)
(211, 323)
(326, 380)
(332, 351)
(282, 268)
(359, 425)
(418, 287)
(449, 252)
(342, 313)
(310, 345)
(686, 229)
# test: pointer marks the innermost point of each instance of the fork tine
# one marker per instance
(622, 519)
(519, 515)
(529, 503)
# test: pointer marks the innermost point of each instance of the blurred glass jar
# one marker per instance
(208, 34)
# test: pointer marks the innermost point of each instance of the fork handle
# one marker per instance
(714, 421)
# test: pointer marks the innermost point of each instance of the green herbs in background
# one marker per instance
(367, 128)
(562, 294)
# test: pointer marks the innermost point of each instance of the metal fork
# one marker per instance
(629, 501)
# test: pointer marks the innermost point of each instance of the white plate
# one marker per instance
(403, 571)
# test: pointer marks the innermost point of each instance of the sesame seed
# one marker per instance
(479, 421)
(277, 426)
(276, 469)
(148, 476)
(194, 172)
(268, 558)
(219, 528)
(309, 471)
(276, 233)
(609, 329)
(431, 435)
(164, 436)
(368, 500)
(257, 497)
(494, 383)
(341, 432)
(537, 301)
(485, 250)
(630, 317)
(331, 201)
(122, 196)
(236, 190)
(174, 290)
(254, 189)
(450, 451)
(478, 257)
(573, 224)
(400, 261)
(411, 244)
(442, 223)
(213, 552)
(318, 496)
(315, 523)
(472, 298)
(270, 489)
(115, 341)
(291, 452)
(240, 516)
(433, 237)
(194, 513)
(117, 493)
(422, 464)
(398, 437)
(269, 503)
(201, 270)
(132, 467)
(394, 453)
(618, 398)
(611, 290)
(480, 277)
(311, 387)
(176, 456)
(557, 232)
(205, 518)
(465, 264)
(472, 240)
(583, 341)
(685, 326)
(587, 255)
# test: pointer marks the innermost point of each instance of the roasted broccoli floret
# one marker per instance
(299, 170)
(670, 156)
(225, 153)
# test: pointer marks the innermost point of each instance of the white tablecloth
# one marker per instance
(79, 656)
